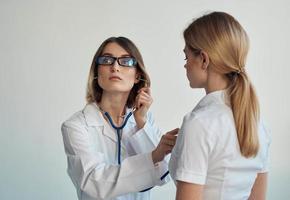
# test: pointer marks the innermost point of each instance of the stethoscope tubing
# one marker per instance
(118, 130)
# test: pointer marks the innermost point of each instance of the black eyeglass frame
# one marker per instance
(119, 60)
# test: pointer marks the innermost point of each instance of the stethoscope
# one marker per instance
(119, 132)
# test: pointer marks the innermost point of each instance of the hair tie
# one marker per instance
(240, 70)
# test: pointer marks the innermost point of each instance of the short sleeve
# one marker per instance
(189, 159)
(265, 141)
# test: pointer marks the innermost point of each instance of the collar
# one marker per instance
(94, 117)
(216, 97)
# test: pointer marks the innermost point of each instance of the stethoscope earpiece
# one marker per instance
(141, 79)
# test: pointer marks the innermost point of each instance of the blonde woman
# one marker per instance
(112, 145)
(221, 151)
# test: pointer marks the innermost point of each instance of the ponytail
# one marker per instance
(245, 108)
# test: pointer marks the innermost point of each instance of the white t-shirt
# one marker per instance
(207, 152)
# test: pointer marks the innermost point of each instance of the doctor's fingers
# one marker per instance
(173, 132)
(167, 149)
(168, 141)
(143, 101)
(147, 90)
(142, 92)
(169, 136)
(144, 95)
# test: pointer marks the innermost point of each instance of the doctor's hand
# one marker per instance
(142, 103)
(165, 145)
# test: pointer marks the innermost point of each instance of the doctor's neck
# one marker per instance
(114, 104)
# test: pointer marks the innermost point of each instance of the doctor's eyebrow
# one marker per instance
(109, 54)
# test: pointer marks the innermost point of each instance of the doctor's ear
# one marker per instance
(205, 60)
(137, 78)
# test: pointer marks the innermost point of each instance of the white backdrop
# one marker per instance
(46, 51)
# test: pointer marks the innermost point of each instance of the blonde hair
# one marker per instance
(226, 43)
(94, 91)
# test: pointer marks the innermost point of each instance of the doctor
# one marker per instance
(105, 163)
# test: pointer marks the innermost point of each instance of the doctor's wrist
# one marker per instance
(140, 122)
(156, 156)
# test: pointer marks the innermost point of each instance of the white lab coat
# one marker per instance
(91, 148)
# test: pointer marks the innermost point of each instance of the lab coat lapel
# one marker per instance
(94, 118)
(109, 132)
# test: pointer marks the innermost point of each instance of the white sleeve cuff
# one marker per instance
(162, 170)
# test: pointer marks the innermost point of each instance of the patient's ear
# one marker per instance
(205, 60)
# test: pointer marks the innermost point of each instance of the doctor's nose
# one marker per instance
(115, 66)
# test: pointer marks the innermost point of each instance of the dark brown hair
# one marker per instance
(94, 91)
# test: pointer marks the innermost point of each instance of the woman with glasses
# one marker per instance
(221, 152)
(112, 145)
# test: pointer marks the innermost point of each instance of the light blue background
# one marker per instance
(46, 51)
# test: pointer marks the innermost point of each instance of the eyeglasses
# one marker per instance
(122, 61)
